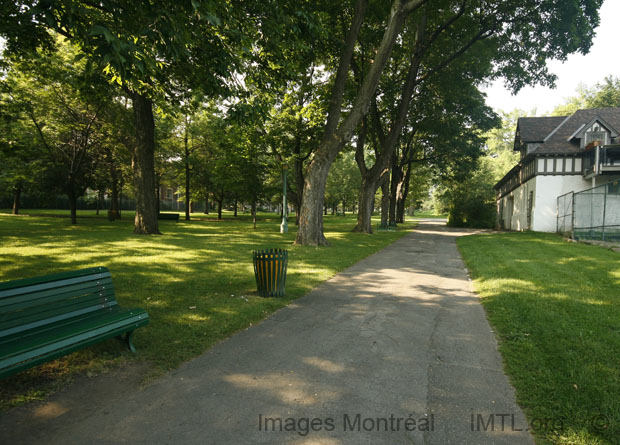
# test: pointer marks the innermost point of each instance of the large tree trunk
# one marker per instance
(187, 172)
(17, 193)
(187, 190)
(299, 162)
(145, 222)
(72, 202)
(254, 213)
(336, 136)
(310, 231)
(397, 175)
(385, 200)
(100, 193)
(371, 177)
(366, 204)
(158, 192)
(401, 195)
(404, 170)
(236, 205)
(299, 182)
(206, 200)
(219, 198)
(114, 198)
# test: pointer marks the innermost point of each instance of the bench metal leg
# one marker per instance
(128, 340)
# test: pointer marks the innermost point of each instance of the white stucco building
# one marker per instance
(559, 155)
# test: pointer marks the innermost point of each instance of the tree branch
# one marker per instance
(359, 148)
(335, 101)
(481, 35)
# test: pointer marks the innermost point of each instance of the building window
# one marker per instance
(169, 193)
(577, 165)
(559, 166)
(592, 136)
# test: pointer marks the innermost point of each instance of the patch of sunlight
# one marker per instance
(336, 235)
(573, 259)
(50, 410)
(226, 311)
(323, 364)
(286, 386)
(508, 284)
(35, 250)
(596, 302)
(158, 303)
(139, 244)
(195, 317)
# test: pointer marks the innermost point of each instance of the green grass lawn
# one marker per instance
(555, 307)
(428, 214)
(196, 280)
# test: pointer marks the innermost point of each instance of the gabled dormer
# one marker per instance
(595, 132)
(523, 142)
(532, 131)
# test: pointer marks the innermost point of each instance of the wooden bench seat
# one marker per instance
(168, 216)
(43, 318)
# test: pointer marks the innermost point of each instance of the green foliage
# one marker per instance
(343, 181)
(471, 203)
(63, 103)
(601, 95)
(500, 143)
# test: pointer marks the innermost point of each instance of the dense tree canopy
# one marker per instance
(222, 95)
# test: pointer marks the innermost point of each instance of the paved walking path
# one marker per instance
(397, 336)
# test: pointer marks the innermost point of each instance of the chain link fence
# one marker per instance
(565, 214)
(592, 214)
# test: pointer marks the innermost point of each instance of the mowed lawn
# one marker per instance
(555, 307)
(196, 281)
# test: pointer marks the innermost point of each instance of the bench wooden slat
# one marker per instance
(42, 318)
(52, 316)
(66, 296)
(48, 339)
(14, 296)
(51, 351)
(52, 278)
(58, 319)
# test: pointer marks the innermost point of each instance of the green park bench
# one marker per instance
(43, 318)
(168, 216)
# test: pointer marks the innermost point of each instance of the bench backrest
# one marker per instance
(34, 302)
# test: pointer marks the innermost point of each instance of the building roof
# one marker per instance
(558, 141)
(536, 129)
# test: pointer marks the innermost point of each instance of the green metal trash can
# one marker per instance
(270, 271)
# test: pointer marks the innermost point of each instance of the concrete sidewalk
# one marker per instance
(397, 338)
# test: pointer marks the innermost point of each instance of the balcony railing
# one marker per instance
(609, 158)
(602, 159)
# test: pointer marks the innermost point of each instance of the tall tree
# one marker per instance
(603, 94)
(21, 154)
(343, 181)
(522, 35)
(158, 50)
(64, 106)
